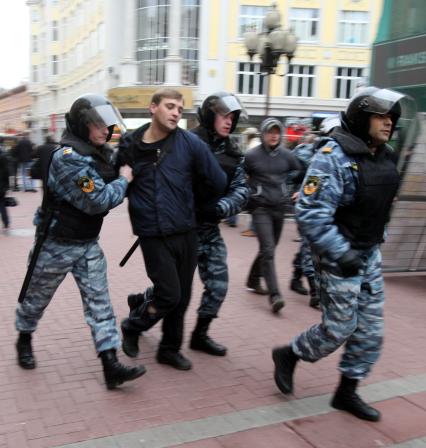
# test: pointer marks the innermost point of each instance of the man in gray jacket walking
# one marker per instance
(270, 167)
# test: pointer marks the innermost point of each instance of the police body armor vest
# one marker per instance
(229, 157)
(229, 164)
(73, 224)
(363, 222)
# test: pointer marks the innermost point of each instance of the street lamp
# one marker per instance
(270, 44)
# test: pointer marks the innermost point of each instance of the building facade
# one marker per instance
(128, 49)
(15, 110)
(399, 62)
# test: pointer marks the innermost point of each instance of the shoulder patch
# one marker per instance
(311, 185)
(327, 149)
(67, 151)
(354, 166)
(86, 184)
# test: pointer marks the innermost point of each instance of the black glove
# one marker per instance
(208, 214)
(350, 263)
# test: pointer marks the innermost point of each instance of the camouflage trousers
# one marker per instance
(213, 270)
(87, 264)
(303, 259)
(352, 315)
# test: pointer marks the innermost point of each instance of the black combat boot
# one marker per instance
(130, 344)
(346, 399)
(116, 373)
(314, 300)
(277, 302)
(254, 285)
(25, 351)
(285, 362)
(202, 342)
(296, 284)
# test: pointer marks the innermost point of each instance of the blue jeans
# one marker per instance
(27, 181)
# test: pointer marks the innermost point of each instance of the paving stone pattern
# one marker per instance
(222, 402)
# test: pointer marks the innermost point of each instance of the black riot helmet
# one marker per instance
(220, 103)
(371, 101)
(96, 109)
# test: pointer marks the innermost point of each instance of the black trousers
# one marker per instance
(3, 211)
(170, 263)
(268, 224)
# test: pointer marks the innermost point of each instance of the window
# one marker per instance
(347, 79)
(152, 40)
(34, 43)
(64, 28)
(101, 37)
(249, 79)
(55, 30)
(55, 62)
(64, 64)
(251, 18)
(353, 27)
(300, 80)
(79, 54)
(304, 22)
(35, 16)
(35, 73)
(189, 40)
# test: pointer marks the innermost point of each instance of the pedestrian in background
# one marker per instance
(218, 117)
(82, 186)
(4, 186)
(270, 169)
(342, 210)
(42, 158)
(24, 155)
(251, 141)
(13, 166)
(166, 160)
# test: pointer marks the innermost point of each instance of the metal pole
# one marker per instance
(268, 94)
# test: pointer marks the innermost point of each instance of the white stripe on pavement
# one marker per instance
(184, 432)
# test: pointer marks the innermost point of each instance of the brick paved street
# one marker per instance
(228, 402)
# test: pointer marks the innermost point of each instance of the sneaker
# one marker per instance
(256, 288)
(277, 302)
(135, 300)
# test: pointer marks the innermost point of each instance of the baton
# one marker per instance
(129, 253)
(34, 257)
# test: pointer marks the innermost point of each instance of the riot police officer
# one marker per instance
(302, 261)
(342, 210)
(218, 117)
(81, 186)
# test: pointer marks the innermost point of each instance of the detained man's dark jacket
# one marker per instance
(161, 199)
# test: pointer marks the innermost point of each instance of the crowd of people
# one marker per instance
(180, 185)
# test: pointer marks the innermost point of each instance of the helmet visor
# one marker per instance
(382, 101)
(227, 104)
(329, 123)
(105, 115)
